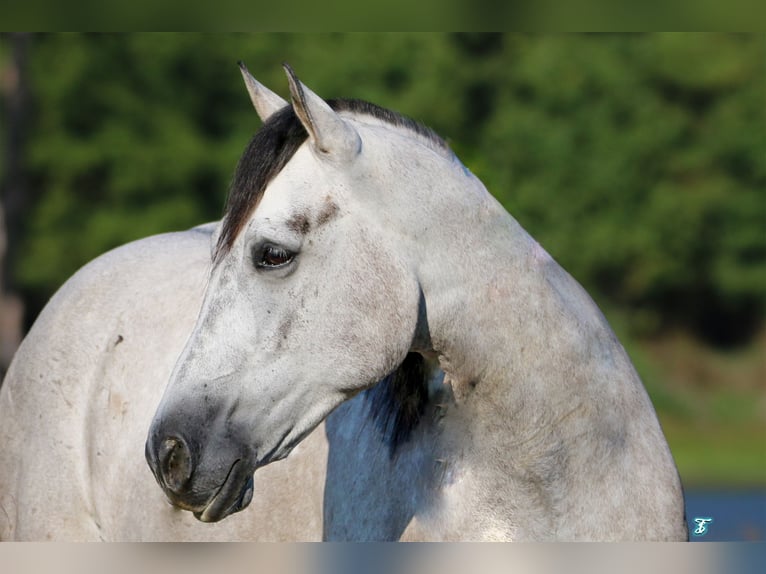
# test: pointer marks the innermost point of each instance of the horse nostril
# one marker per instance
(175, 463)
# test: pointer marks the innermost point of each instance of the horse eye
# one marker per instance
(272, 257)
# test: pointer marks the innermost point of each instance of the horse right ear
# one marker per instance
(265, 101)
(330, 135)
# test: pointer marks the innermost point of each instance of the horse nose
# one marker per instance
(175, 463)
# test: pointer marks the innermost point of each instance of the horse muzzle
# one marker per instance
(190, 486)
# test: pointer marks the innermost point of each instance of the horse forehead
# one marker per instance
(302, 196)
(296, 186)
(314, 187)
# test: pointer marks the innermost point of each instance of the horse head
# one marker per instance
(313, 297)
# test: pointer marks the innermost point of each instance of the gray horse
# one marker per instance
(356, 244)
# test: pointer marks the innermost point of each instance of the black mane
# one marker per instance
(398, 402)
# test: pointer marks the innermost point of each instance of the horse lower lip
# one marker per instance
(247, 495)
(229, 499)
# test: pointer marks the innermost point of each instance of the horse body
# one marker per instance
(370, 241)
(79, 396)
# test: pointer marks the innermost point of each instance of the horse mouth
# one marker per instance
(235, 494)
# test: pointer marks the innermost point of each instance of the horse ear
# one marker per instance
(330, 134)
(265, 101)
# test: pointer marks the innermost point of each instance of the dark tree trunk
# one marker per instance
(13, 197)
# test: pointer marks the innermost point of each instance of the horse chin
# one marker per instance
(234, 495)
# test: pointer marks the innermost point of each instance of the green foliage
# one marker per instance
(638, 161)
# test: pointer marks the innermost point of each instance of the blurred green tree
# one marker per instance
(636, 160)
(639, 162)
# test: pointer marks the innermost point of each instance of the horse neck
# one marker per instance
(507, 322)
(547, 402)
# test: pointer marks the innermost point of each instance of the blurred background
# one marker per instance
(638, 162)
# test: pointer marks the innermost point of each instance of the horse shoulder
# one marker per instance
(71, 399)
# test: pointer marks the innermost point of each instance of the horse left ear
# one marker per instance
(264, 100)
(330, 134)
